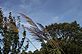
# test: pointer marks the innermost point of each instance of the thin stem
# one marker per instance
(32, 43)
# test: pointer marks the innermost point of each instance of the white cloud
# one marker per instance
(56, 19)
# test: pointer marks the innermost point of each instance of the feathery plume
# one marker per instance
(34, 30)
(29, 20)
(41, 26)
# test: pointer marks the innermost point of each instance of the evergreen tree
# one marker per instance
(10, 35)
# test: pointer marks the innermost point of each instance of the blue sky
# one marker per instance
(45, 11)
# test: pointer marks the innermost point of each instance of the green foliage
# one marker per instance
(9, 33)
(30, 52)
(23, 52)
(68, 36)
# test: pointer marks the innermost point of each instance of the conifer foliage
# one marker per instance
(9, 35)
